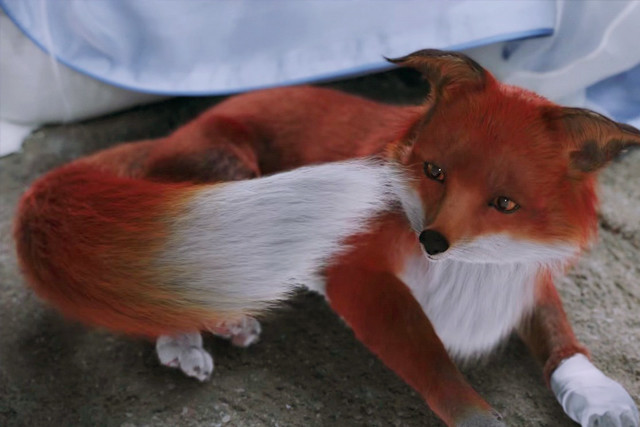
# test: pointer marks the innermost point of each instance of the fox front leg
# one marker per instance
(385, 317)
(587, 395)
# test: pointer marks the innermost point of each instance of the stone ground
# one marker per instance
(308, 370)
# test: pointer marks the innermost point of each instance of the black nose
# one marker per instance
(433, 242)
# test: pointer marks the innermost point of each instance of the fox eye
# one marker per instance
(504, 204)
(433, 172)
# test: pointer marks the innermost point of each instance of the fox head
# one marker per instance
(504, 175)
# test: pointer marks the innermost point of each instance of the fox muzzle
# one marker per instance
(433, 241)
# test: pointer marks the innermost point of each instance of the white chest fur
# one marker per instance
(472, 306)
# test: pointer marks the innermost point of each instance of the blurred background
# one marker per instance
(63, 61)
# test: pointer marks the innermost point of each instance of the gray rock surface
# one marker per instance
(308, 370)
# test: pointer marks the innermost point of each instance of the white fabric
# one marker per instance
(34, 88)
(11, 136)
(193, 47)
(593, 42)
(591, 398)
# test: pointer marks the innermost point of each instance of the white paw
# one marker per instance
(591, 398)
(242, 332)
(185, 351)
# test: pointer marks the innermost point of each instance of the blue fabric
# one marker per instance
(619, 96)
(197, 47)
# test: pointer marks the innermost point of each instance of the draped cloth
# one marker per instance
(72, 59)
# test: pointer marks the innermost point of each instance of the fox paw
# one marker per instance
(242, 332)
(185, 351)
(591, 398)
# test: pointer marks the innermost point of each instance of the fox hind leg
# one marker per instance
(210, 149)
(185, 351)
(205, 151)
(242, 332)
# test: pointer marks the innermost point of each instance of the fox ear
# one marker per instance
(442, 68)
(594, 139)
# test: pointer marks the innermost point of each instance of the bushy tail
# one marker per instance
(87, 241)
(152, 258)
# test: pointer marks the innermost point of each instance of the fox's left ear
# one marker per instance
(448, 73)
(444, 68)
(594, 139)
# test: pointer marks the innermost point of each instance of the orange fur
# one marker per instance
(399, 332)
(547, 330)
(87, 242)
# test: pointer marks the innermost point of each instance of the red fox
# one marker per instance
(434, 231)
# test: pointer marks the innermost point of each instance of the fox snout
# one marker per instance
(433, 241)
